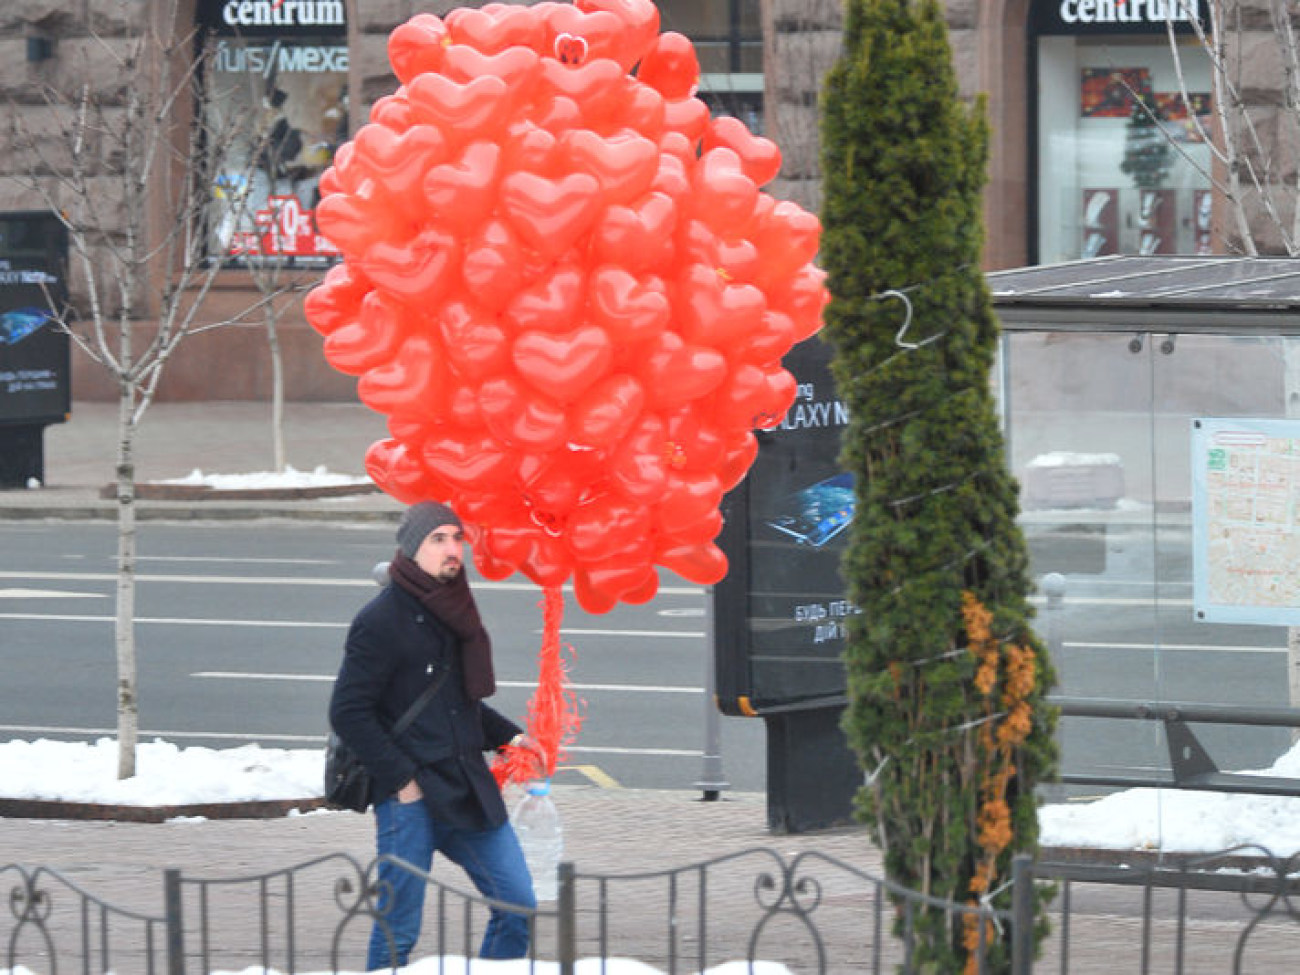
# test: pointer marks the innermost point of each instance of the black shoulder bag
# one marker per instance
(347, 783)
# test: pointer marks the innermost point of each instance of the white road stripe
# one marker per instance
(524, 684)
(1145, 601)
(1179, 647)
(49, 594)
(313, 740)
(173, 621)
(676, 634)
(362, 582)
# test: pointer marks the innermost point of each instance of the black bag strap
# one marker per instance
(410, 714)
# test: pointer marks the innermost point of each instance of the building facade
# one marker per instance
(1083, 98)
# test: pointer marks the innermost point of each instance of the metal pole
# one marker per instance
(567, 921)
(174, 920)
(712, 779)
(1022, 912)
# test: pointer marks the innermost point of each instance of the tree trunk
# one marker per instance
(277, 387)
(128, 709)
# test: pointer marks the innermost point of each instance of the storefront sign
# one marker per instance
(283, 13)
(1117, 16)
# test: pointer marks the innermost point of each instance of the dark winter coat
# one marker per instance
(394, 649)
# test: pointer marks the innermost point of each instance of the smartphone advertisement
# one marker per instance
(781, 612)
(35, 355)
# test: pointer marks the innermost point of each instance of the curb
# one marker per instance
(150, 491)
(58, 809)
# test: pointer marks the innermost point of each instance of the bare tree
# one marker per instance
(122, 150)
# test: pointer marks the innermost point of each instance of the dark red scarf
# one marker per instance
(453, 604)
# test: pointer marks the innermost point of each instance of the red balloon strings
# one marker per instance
(554, 713)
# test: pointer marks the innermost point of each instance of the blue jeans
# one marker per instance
(492, 859)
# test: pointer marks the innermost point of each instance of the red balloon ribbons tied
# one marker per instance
(554, 713)
(564, 285)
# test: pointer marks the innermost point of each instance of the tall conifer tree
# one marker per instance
(946, 678)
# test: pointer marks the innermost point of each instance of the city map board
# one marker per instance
(1246, 520)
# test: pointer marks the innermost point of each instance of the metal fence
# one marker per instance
(811, 912)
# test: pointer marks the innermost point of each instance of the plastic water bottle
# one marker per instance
(537, 824)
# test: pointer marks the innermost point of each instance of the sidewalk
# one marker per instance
(175, 439)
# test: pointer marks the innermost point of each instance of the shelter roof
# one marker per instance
(1186, 294)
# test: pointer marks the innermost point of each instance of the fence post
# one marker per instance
(174, 919)
(567, 920)
(1022, 914)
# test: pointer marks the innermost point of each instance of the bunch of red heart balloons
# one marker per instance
(564, 287)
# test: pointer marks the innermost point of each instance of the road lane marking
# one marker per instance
(1145, 601)
(351, 582)
(49, 594)
(595, 774)
(174, 621)
(521, 684)
(676, 634)
(1181, 647)
(314, 740)
(233, 559)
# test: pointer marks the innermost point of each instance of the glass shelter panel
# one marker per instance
(1099, 430)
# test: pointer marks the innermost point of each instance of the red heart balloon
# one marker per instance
(577, 35)
(760, 158)
(702, 564)
(461, 194)
(604, 527)
(673, 178)
(698, 532)
(670, 67)
(396, 162)
(565, 365)
(531, 147)
(476, 346)
(694, 443)
(740, 454)
(517, 66)
(550, 214)
(520, 419)
(472, 110)
(353, 223)
(715, 313)
(638, 466)
(549, 304)
(471, 461)
(416, 46)
(754, 396)
(675, 373)
(561, 481)
(392, 112)
(637, 237)
(411, 380)
(605, 413)
(601, 586)
(643, 111)
(802, 298)
(557, 113)
(630, 309)
(735, 259)
(689, 116)
(396, 472)
(688, 498)
(625, 164)
(496, 27)
(595, 86)
(724, 196)
(640, 20)
(418, 270)
(789, 238)
(493, 269)
(337, 299)
(773, 339)
(329, 181)
(462, 408)
(368, 341)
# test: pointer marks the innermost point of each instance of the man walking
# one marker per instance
(433, 789)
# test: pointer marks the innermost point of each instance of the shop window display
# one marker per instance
(293, 93)
(1122, 163)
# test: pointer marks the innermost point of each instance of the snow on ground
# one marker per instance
(167, 775)
(288, 478)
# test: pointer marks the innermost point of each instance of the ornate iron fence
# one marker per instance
(812, 912)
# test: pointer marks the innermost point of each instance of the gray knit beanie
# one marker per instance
(419, 520)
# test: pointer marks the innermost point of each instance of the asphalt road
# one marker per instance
(240, 632)
(241, 627)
